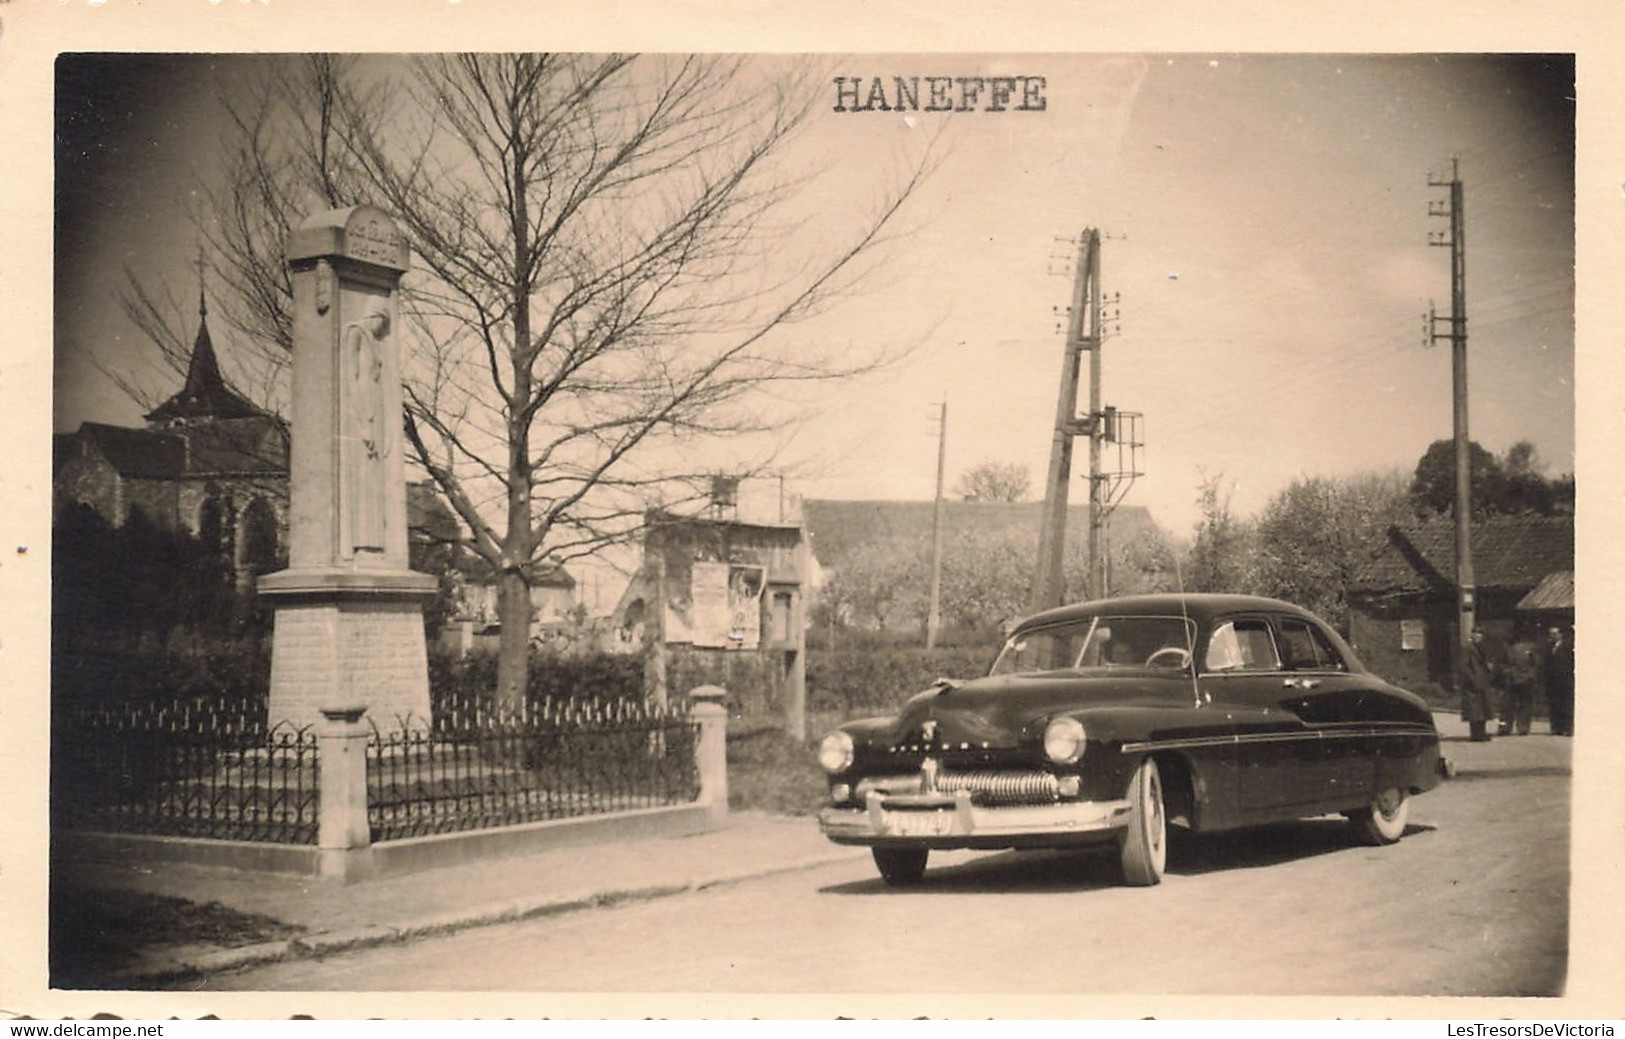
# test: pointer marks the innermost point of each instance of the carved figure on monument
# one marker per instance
(368, 437)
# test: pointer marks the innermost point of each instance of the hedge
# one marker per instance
(874, 680)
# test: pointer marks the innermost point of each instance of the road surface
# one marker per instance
(1472, 902)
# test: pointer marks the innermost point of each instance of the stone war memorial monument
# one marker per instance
(348, 612)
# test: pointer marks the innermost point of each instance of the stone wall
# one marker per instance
(89, 480)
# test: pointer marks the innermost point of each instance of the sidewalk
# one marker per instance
(328, 917)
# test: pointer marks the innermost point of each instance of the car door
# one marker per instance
(1318, 687)
(1243, 680)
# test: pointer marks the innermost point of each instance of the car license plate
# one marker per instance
(920, 824)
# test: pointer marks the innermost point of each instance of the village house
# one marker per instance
(1403, 605)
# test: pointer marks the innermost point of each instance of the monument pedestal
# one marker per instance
(349, 637)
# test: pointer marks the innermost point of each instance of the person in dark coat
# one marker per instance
(1525, 660)
(1559, 676)
(1475, 683)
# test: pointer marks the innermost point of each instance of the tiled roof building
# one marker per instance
(1403, 600)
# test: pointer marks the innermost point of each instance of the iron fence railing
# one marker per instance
(479, 767)
(208, 769)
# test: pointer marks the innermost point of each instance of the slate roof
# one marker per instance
(476, 570)
(257, 445)
(836, 528)
(205, 394)
(1510, 553)
(428, 514)
(134, 453)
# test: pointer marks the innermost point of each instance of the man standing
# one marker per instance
(1524, 662)
(1559, 674)
(1474, 683)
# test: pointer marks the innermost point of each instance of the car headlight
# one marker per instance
(1063, 740)
(835, 752)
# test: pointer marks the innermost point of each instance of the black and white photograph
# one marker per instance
(1085, 527)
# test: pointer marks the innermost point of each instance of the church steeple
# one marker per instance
(205, 394)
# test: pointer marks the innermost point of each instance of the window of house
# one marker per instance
(1413, 635)
(783, 612)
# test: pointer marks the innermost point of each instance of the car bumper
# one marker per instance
(952, 821)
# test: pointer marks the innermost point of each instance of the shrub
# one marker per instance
(224, 670)
(877, 680)
(455, 682)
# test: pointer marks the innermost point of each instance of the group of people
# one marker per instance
(1505, 681)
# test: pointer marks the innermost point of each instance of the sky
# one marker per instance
(1266, 226)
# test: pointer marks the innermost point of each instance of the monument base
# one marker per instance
(345, 638)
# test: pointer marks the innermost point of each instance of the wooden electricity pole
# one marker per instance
(1083, 333)
(1456, 240)
(933, 617)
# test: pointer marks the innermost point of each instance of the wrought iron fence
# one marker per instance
(478, 767)
(204, 768)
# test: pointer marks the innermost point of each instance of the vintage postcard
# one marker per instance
(726, 513)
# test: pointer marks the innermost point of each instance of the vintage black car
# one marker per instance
(1106, 721)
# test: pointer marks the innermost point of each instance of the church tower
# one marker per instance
(205, 396)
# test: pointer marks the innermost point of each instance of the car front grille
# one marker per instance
(986, 786)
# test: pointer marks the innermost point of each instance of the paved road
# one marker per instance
(1473, 901)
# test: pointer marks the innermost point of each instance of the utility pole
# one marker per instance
(1094, 586)
(1083, 333)
(933, 617)
(1456, 240)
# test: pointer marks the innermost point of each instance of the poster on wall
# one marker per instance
(726, 605)
(709, 607)
(745, 586)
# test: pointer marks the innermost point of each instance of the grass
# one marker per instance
(95, 933)
(770, 771)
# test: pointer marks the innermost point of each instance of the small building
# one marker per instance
(474, 624)
(1403, 602)
(720, 600)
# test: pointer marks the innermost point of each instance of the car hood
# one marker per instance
(1005, 710)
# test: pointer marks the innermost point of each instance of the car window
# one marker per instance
(1305, 647)
(1098, 642)
(1244, 644)
(1042, 649)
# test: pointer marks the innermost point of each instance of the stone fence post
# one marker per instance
(343, 836)
(711, 751)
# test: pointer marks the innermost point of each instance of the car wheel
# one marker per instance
(1383, 821)
(1144, 844)
(900, 867)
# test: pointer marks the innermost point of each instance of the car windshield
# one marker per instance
(1099, 641)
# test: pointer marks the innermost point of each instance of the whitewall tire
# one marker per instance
(1383, 821)
(1144, 844)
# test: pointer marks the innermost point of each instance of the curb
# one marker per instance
(188, 966)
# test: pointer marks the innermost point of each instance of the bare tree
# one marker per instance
(608, 252)
(994, 481)
(282, 159)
